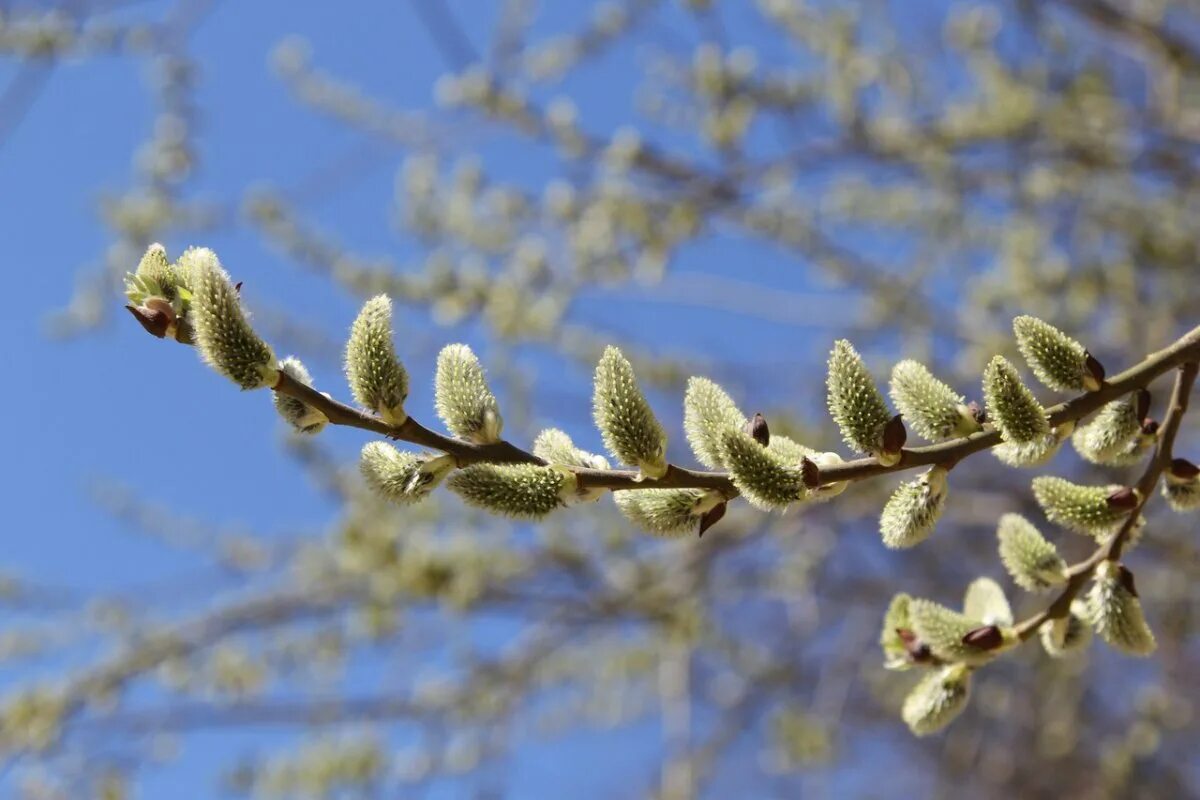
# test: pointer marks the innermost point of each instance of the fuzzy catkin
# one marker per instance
(630, 430)
(854, 401)
(463, 399)
(1082, 509)
(930, 407)
(666, 512)
(1056, 359)
(764, 478)
(912, 512)
(377, 379)
(300, 415)
(523, 491)
(708, 413)
(1115, 612)
(1032, 561)
(223, 335)
(1011, 407)
(937, 699)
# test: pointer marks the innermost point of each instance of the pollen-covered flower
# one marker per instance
(1056, 359)
(630, 430)
(937, 699)
(1115, 612)
(400, 476)
(1066, 635)
(1181, 485)
(667, 512)
(1033, 562)
(708, 413)
(464, 401)
(525, 491)
(377, 379)
(928, 405)
(856, 404)
(1011, 407)
(913, 510)
(297, 413)
(1106, 438)
(1091, 510)
(766, 479)
(224, 337)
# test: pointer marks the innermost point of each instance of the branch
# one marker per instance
(1185, 349)
(1079, 573)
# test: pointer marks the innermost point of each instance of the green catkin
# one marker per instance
(300, 415)
(930, 407)
(223, 335)
(1107, 438)
(463, 399)
(666, 512)
(855, 402)
(523, 491)
(985, 601)
(912, 512)
(1032, 561)
(1011, 407)
(937, 699)
(1056, 359)
(1082, 509)
(764, 478)
(630, 430)
(1116, 613)
(943, 629)
(556, 447)
(708, 413)
(377, 379)
(399, 476)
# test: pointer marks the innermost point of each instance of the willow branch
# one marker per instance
(1079, 573)
(949, 453)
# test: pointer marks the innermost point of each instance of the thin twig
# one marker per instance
(1185, 349)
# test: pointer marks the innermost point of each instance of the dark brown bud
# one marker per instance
(988, 637)
(1093, 373)
(711, 517)
(1125, 578)
(155, 321)
(1149, 426)
(237, 287)
(757, 428)
(1123, 499)
(894, 435)
(810, 473)
(1183, 469)
(1141, 403)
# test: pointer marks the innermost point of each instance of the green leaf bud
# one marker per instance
(856, 404)
(1181, 486)
(1057, 360)
(763, 477)
(708, 413)
(524, 491)
(985, 601)
(399, 476)
(667, 512)
(1033, 562)
(377, 379)
(943, 630)
(1066, 635)
(1011, 407)
(912, 512)
(1089, 510)
(464, 401)
(300, 415)
(1107, 437)
(224, 337)
(1115, 612)
(928, 405)
(626, 422)
(937, 699)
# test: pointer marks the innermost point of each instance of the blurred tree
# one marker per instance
(930, 172)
